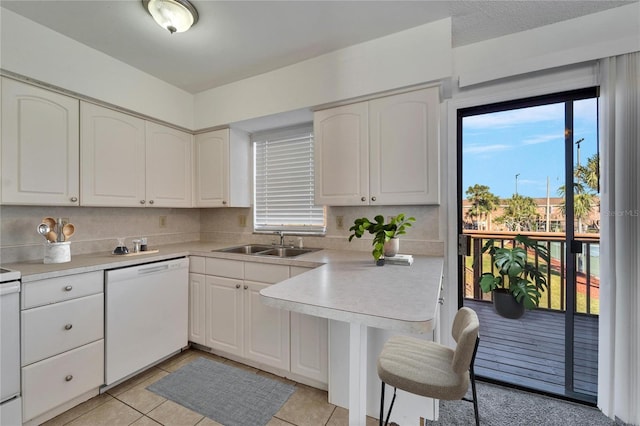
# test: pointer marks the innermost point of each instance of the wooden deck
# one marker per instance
(531, 355)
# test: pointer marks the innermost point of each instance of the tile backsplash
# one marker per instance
(96, 228)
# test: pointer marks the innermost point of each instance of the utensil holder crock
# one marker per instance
(57, 252)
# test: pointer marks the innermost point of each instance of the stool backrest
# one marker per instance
(465, 332)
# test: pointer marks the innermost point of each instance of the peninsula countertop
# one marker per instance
(350, 287)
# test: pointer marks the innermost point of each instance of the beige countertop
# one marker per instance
(350, 287)
(345, 285)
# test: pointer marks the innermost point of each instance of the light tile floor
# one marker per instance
(130, 403)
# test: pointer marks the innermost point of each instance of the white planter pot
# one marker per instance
(391, 247)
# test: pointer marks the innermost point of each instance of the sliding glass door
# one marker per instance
(516, 161)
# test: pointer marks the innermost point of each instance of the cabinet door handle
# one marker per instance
(150, 201)
(363, 199)
(246, 287)
(68, 326)
(141, 201)
(68, 288)
(68, 378)
(237, 285)
(441, 300)
(74, 199)
(373, 198)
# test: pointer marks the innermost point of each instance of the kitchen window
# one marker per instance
(284, 182)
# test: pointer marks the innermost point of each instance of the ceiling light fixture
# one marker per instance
(176, 16)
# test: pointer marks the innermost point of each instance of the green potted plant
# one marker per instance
(517, 284)
(382, 232)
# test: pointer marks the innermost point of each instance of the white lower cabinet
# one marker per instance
(56, 380)
(62, 340)
(236, 322)
(266, 329)
(309, 342)
(223, 313)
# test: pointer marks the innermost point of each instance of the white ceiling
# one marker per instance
(237, 39)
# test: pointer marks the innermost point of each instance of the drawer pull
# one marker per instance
(68, 288)
(237, 285)
(441, 300)
(68, 378)
(68, 327)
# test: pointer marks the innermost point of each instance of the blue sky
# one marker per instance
(528, 142)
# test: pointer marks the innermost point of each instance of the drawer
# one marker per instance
(265, 272)
(54, 381)
(225, 268)
(52, 290)
(196, 265)
(53, 329)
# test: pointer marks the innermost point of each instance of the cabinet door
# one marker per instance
(211, 159)
(40, 146)
(266, 329)
(224, 314)
(342, 155)
(309, 342)
(112, 156)
(197, 316)
(168, 166)
(404, 159)
(309, 346)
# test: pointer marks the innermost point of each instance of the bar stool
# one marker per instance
(431, 369)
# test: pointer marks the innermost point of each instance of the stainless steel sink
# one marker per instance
(246, 249)
(287, 251)
(261, 249)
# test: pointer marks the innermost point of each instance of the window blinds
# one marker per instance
(284, 183)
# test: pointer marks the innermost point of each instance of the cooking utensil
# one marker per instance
(52, 237)
(68, 230)
(59, 226)
(43, 229)
(51, 222)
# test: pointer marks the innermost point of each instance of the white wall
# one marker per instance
(608, 33)
(406, 58)
(32, 50)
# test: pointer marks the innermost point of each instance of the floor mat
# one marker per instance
(228, 395)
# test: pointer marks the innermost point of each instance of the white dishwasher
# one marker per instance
(146, 315)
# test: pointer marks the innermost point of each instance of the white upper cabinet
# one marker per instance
(112, 157)
(130, 162)
(39, 147)
(342, 155)
(379, 152)
(168, 166)
(222, 169)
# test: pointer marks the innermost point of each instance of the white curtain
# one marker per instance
(619, 346)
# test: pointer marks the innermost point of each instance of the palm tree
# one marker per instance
(585, 189)
(483, 202)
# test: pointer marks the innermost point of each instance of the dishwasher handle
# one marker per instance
(152, 269)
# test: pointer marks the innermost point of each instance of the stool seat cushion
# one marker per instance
(421, 367)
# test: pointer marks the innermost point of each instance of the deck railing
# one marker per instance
(554, 298)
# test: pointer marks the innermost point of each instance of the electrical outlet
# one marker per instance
(340, 222)
(162, 222)
(242, 220)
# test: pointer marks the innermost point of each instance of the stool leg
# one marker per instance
(475, 396)
(381, 404)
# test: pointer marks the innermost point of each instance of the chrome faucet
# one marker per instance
(281, 234)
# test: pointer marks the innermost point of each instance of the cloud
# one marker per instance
(485, 149)
(537, 139)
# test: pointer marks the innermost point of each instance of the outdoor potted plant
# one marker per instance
(517, 283)
(384, 234)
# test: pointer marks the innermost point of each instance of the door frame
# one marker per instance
(567, 98)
